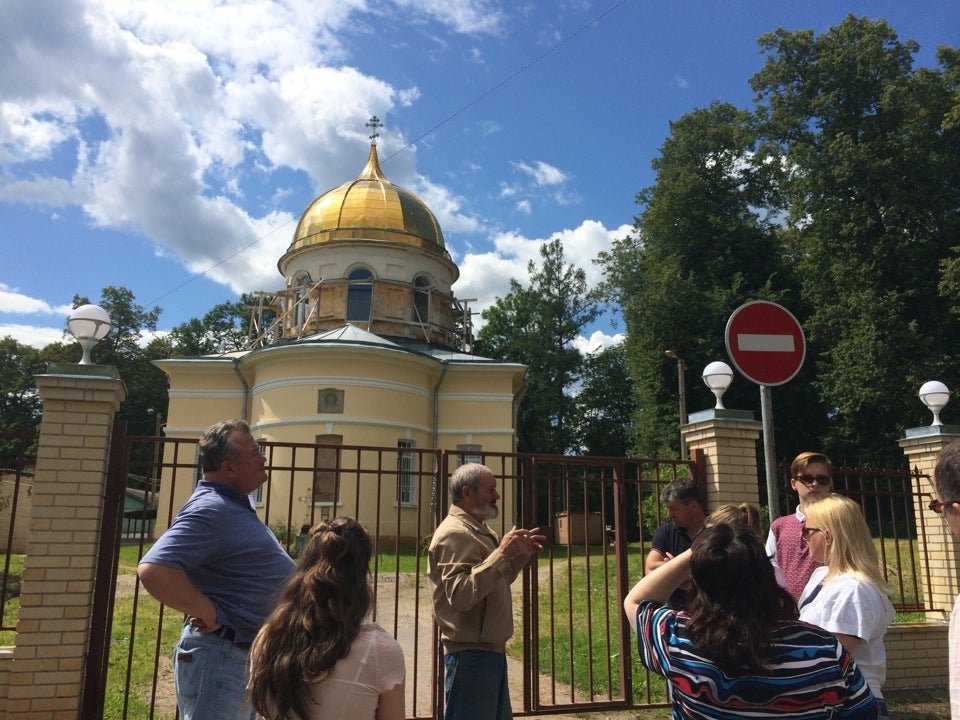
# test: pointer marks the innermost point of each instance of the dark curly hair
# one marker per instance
(315, 621)
(730, 618)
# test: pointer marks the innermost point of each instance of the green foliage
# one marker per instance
(836, 195)
(222, 329)
(604, 406)
(285, 533)
(19, 400)
(702, 246)
(872, 186)
(536, 326)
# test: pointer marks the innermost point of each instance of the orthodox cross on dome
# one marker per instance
(375, 124)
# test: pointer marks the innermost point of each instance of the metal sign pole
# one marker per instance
(769, 453)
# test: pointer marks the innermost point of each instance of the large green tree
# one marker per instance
(537, 325)
(223, 328)
(703, 244)
(871, 180)
(604, 404)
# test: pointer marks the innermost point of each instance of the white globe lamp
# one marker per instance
(718, 376)
(89, 324)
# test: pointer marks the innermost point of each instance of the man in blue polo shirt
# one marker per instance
(223, 568)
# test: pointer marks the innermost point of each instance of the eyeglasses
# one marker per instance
(938, 505)
(808, 480)
(806, 531)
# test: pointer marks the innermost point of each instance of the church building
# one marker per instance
(364, 345)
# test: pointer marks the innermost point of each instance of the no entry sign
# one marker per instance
(765, 342)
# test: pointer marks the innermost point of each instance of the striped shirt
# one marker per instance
(811, 676)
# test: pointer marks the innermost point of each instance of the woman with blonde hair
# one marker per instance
(315, 657)
(848, 596)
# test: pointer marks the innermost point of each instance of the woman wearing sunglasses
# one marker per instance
(850, 598)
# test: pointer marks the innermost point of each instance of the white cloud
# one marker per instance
(681, 81)
(486, 276)
(37, 337)
(524, 207)
(446, 206)
(597, 341)
(161, 109)
(542, 173)
(464, 16)
(12, 301)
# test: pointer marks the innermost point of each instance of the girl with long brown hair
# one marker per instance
(315, 656)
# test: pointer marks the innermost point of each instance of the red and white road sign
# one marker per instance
(765, 342)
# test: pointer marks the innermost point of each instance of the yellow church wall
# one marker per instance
(388, 395)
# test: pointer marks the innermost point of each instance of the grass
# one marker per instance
(143, 659)
(583, 601)
(580, 647)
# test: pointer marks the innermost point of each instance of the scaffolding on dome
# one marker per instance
(392, 308)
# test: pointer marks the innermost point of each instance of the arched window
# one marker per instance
(300, 316)
(421, 298)
(359, 293)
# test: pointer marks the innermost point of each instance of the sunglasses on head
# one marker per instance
(811, 479)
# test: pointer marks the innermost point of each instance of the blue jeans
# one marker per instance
(210, 675)
(475, 686)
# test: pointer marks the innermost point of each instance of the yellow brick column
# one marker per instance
(938, 547)
(728, 439)
(79, 404)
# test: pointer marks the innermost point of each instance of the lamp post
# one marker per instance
(934, 394)
(718, 376)
(682, 389)
(89, 324)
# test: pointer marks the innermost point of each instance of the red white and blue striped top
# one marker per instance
(811, 676)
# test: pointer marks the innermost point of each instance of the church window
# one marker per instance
(407, 471)
(359, 292)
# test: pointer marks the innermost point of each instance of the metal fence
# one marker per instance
(889, 498)
(572, 650)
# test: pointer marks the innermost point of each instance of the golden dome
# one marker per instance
(369, 208)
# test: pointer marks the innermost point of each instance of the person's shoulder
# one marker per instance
(783, 520)
(801, 632)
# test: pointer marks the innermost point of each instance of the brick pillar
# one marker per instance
(728, 439)
(46, 675)
(938, 547)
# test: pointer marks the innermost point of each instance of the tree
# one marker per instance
(703, 244)
(872, 185)
(603, 407)
(222, 329)
(19, 401)
(537, 326)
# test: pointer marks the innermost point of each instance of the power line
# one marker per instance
(520, 71)
(509, 78)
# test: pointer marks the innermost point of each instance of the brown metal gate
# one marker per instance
(572, 648)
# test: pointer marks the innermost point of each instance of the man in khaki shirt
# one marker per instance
(471, 571)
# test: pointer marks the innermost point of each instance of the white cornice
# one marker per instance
(323, 381)
(476, 397)
(209, 394)
(337, 420)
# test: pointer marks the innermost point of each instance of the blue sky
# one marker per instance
(170, 146)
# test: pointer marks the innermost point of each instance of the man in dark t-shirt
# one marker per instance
(682, 501)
